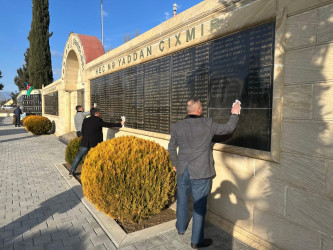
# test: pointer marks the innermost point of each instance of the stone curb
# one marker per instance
(117, 235)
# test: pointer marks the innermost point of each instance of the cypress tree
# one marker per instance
(23, 73)
(40, 67)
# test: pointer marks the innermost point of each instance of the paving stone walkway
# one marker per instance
(39, 210)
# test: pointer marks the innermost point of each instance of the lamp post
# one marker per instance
(102, 21)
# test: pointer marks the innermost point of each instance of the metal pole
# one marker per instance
(102, 21)
(174, 9)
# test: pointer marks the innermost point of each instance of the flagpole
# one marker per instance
(102, 21)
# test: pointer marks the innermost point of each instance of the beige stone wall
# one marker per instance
(283, 198)
(289, 203)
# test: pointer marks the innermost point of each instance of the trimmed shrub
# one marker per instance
(26, 118)
(37, 124)
(128, 178)
(72, 149)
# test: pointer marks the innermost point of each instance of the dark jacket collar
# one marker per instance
(192, 116)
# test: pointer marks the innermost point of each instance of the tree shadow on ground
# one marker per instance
(57, 222)
(13, 131)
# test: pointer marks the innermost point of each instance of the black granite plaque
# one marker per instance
(140, 97)
(93, 90)
(248, 134)
(244, 71)
(102, 101)
(31, 105)
(51, 104)
(117, 95)
(153, 95)
(130, 97)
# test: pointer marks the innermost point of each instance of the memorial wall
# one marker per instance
(273, 187)
(153, 95)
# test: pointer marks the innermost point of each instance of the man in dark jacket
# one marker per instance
(92, 134)
(194, 165)
(17, 113)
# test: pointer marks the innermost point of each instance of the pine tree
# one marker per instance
(23, 73)
(40, 67)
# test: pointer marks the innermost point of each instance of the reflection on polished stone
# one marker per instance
(153, 95)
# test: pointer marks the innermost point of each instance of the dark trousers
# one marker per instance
(78, 133)
(200, 189)
(82, 152)
(17, 120)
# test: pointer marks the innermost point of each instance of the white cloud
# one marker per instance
(167, 15)
(56, 53)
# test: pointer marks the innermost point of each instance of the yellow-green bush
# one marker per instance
(72, 149)
(37, 124)
(27, 118)
(128, 178)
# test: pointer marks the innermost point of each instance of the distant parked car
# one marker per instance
(7, 107)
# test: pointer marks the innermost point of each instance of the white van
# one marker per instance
(7, 107)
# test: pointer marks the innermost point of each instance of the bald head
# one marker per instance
(194, 107)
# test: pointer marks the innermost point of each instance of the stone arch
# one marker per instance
(73, 71)
(79, 50)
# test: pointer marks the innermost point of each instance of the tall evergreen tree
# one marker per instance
(14, 97)
(23, 73)
(1, 85)
(40, 67)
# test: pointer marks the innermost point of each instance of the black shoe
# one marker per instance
(205, 243)
(71, 174)
(180, 233)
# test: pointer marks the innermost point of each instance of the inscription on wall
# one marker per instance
(153, 95)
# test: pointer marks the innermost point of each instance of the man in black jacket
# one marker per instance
(17, 113)
(92, 134)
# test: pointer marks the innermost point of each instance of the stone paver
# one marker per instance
(39, 210)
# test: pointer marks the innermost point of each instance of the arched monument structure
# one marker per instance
(61, 97)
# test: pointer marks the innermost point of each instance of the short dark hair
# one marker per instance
(93, 111)
(77, 107)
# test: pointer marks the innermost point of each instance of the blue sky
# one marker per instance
(79, 16)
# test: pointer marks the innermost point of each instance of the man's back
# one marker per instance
(193, 136)
(78, 119)
(17, 112)
(92, 131)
